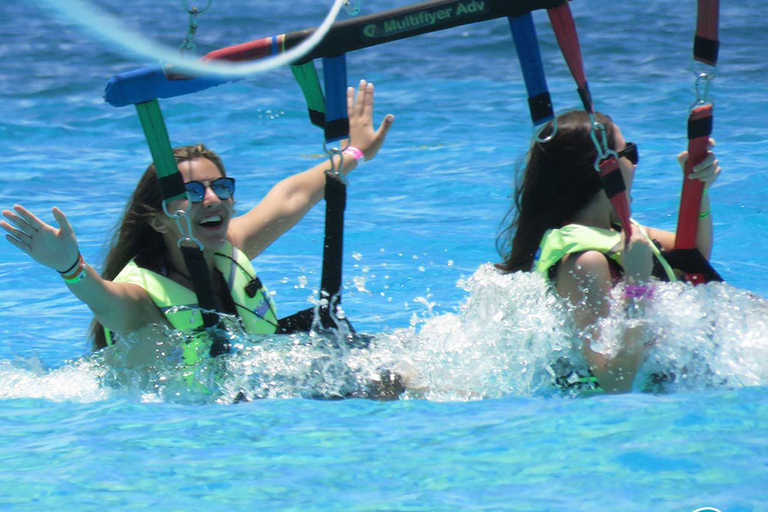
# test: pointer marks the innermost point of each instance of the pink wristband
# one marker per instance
(354, 153)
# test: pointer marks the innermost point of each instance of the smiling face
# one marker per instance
(209, 218)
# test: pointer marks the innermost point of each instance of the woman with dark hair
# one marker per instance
(565, 228)
(146, 281)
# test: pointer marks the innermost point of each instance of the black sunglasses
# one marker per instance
(224, 188)
(630, 153)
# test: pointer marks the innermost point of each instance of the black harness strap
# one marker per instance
(172, 187)
(336, 128)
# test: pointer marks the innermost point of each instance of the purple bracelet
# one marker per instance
(638, 291)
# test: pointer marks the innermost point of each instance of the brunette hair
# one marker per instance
(558, 180)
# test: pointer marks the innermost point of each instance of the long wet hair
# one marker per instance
(134, 237)
(558, 180)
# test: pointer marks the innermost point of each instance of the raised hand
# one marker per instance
(360, 112)
(54, 248)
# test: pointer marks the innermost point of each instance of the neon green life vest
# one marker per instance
(572, 238)
(255, 308)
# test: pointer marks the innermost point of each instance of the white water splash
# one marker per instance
(511, 336)
(76, 381)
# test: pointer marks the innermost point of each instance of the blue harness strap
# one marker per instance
(335, 78)
(527, 45)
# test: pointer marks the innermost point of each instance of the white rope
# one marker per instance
(111, 29)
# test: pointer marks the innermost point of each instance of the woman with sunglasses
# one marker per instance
(145, 274)
(565, 228)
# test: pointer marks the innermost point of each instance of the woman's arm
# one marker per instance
(707, 171)
(584, 279)
(293, 197)
(120, 307)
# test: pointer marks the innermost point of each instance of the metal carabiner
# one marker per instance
(195, 9)
(188, 45)
(185, 229)
(336, 170)
(599, 136)
(352, 7)
(702, 91)
(537, 132)
(704, 74)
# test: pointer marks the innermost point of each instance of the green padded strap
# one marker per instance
(306, 76)
(171, 183)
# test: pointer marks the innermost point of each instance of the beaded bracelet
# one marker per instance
(76, 275)
(354, 153)
(638, 291)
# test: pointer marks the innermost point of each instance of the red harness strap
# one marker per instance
(706, 43)
(700, 121)
(565, 31)
(607, 165)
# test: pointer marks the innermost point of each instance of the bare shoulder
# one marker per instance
(583, 275)
(585, 265)
(132, 309)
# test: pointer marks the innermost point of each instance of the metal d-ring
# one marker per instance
(196, 10)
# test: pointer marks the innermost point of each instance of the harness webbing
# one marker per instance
(527, 45)
(201, 282)
(153, 124)
(336, 128)
(564, 28)
(335, 79)
(700, 121)
(309, 82)
(706, 44)
(699, 130)
(333, 247)
(171, 188)
(330, 113)
(607, 164)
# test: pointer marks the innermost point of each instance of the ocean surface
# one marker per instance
(481, 428)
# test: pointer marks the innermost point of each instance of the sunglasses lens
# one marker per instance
(633, 156)
(224, 187)
(195, 191)
(630, 153)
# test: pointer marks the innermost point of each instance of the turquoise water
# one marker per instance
(487, 434)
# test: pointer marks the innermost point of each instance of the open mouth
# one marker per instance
(211, 222)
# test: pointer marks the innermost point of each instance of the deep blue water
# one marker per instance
(421, 220)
